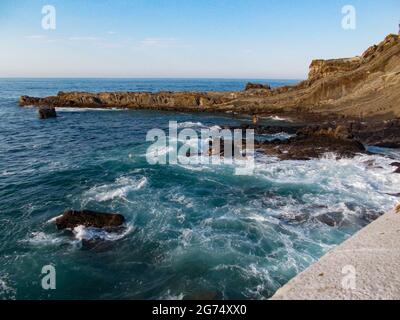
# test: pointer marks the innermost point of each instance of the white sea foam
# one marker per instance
(66, 109)
(157, 152)
(6, 173)
(169, 296)
(215, 127)
(277, 118)
(119, 189)
(90, 233)
(6, 290)
(190, 124)
(279, 135)
(365, 182)
(40, 238)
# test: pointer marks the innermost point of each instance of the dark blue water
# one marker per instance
(192, 231)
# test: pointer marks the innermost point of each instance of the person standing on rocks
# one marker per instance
(255, 119)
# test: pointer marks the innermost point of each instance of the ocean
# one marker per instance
(193, 231)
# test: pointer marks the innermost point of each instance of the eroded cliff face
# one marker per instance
(323, 68)
(364, 87)
(360, 87)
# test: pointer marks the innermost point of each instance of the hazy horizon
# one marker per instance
(185, 39)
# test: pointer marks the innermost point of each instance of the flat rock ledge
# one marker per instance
(365, 267)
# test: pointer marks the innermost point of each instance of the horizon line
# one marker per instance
(150, 78)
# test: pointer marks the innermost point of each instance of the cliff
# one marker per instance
(364, 87)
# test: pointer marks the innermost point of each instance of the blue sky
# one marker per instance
(185, 38)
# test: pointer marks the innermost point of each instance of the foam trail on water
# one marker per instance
(119, 189)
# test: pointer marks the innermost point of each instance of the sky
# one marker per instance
(259, 39)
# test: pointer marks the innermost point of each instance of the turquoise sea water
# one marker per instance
(192, 231)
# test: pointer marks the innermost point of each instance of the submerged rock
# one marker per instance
(257, 86)
(71, 219)
(331, 219)
(47, 112)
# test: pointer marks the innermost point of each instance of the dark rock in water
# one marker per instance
(257, 86)
(71, 219)
(385, 134)
(396, 164)
(313, 142)
(331, 219)
(270, 129)
(295, 218)
(372, 164)
(47, 112)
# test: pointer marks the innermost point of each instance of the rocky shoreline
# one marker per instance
(343, 103)
(363, 88)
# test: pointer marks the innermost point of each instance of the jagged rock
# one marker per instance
(313, 142)
(47, 112)
(323, 68)
(71, 219)
(397, 165)
(338, 132)
(257, 86)
(331, 219)
(145, 100)
(377, 133)
(27, 101)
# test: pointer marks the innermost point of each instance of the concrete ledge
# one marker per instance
(365, 267)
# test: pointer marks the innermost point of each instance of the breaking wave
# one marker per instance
(119, 189)
(89, 233)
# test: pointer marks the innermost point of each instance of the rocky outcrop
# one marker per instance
(133, 100)
(46, 112)
(314, 142)
(257, 86)
(72, 219)
(381, 134)
(364, 88)
(323, 68)
(28, 101)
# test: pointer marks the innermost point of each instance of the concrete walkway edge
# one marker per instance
(365, 267)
